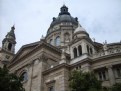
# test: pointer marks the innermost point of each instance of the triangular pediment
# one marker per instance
(25, 49)
(30, 49)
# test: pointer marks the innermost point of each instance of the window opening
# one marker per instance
(75, 52)
(80, 50)
(9, 46)
(57, 41)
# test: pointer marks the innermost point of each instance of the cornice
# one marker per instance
(87, 60)
(57, 67)
(107, 56)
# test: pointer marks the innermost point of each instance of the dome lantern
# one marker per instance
(64, 10)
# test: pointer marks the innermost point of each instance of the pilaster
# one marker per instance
(111, 75)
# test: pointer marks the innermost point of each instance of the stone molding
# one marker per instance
(57, 67)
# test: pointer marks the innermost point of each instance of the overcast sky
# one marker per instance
(32, 18)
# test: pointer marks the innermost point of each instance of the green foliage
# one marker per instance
(116, 87)
(105, 89)
(9, 81)
(84, 82)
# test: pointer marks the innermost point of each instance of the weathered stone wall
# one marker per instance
(58, 78)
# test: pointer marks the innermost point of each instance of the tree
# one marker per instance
(86, 81)
(9, 81)
(116, 87)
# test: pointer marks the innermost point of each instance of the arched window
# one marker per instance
(75, 52)
(51, 41)
(24, 76)
(9, 46)
(87, 48)
(91, 51)
(80, 50)
(57, 41)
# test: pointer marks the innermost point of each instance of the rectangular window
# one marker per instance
(51, 88)
(102, 75)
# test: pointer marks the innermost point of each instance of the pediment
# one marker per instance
(24, 52)
(25, 49)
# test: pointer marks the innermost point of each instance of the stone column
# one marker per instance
(71, 52)
(111, 75)
(84, 49)
(54, 40)
(77, 51)
(62, 38)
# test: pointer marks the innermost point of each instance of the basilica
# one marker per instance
(67, 46)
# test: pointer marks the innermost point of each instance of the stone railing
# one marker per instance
(108, 52)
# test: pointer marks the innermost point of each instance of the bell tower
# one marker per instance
(8, 43)
(8, 47)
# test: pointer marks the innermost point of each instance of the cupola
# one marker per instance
(80, 32)
(64, 10)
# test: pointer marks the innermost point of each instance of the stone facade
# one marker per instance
(46, 64)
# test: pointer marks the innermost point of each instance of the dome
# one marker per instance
(80, 32)
(79, 29)
(64, 16)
